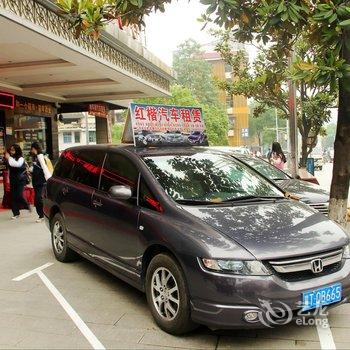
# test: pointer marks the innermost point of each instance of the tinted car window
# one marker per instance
(118, 170)
(264, 168)
(147, 199)
(208, 177)
(87, 167)
(64, 165)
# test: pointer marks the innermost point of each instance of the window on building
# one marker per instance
(228, 68)
(229, 101)
(67, 137)
(77, 136)
(231, 120)
(92, 136)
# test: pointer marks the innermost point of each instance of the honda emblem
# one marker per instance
(316, 265)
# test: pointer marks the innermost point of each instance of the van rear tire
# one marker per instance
(59, 240)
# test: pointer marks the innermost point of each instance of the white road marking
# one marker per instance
(84, 329)
(324, 333)
(31, 272)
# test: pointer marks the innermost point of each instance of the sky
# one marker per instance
(165, 31)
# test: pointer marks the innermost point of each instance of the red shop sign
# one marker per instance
(98, 110)
(7, 100)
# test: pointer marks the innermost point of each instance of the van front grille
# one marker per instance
(300, 268)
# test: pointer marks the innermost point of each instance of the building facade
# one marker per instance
(76, 129)
(46, 71)
(236, 106)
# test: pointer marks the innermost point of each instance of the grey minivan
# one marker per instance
(204, 236)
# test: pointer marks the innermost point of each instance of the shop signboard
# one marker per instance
(7, 100)
(35, 108)
(98, 110)
(164, 125)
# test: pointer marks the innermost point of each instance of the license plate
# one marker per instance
(313, 299)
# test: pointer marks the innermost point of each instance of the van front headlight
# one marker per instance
(346, 252)
(237, 267)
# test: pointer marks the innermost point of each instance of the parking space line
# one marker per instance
(325, 333)
(31, 272)
(84, 329)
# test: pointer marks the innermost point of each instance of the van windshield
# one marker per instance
(208, 177)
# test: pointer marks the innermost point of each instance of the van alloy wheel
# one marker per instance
(165, 293)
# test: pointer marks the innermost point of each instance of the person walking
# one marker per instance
(277, 157)
(40, 174)
(18, 179)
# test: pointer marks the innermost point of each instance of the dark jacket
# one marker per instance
(38, 177)
(17, 175)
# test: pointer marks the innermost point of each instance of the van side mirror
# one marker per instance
(120, 192)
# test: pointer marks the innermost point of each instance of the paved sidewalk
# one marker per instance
(117, 314)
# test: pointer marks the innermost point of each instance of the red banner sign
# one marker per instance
(98, 110)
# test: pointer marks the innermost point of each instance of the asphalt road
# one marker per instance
(116, 315)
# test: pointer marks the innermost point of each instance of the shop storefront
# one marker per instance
(26, 121)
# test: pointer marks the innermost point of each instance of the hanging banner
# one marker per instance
(165, 125)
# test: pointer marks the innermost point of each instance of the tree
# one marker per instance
(325, 24)
(194, 72)
(326, 27)
(215, 118)
(266, 80)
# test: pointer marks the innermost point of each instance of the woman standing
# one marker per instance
(277, 157)
(18, 179)
(40, 174)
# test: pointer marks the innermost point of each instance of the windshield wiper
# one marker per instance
(252, 199)
(195, 202)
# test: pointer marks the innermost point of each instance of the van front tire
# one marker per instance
(167, 295)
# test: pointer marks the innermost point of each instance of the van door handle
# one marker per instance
(96, 203)
(65, 190)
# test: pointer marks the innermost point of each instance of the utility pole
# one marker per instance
(276, 117)
(293, 135)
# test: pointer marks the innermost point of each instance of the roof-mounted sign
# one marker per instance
(164, 125)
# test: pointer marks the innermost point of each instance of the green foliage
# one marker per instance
(90, 16)
(215, 117)
(266, 81)
(117, 133)
(194, 72)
